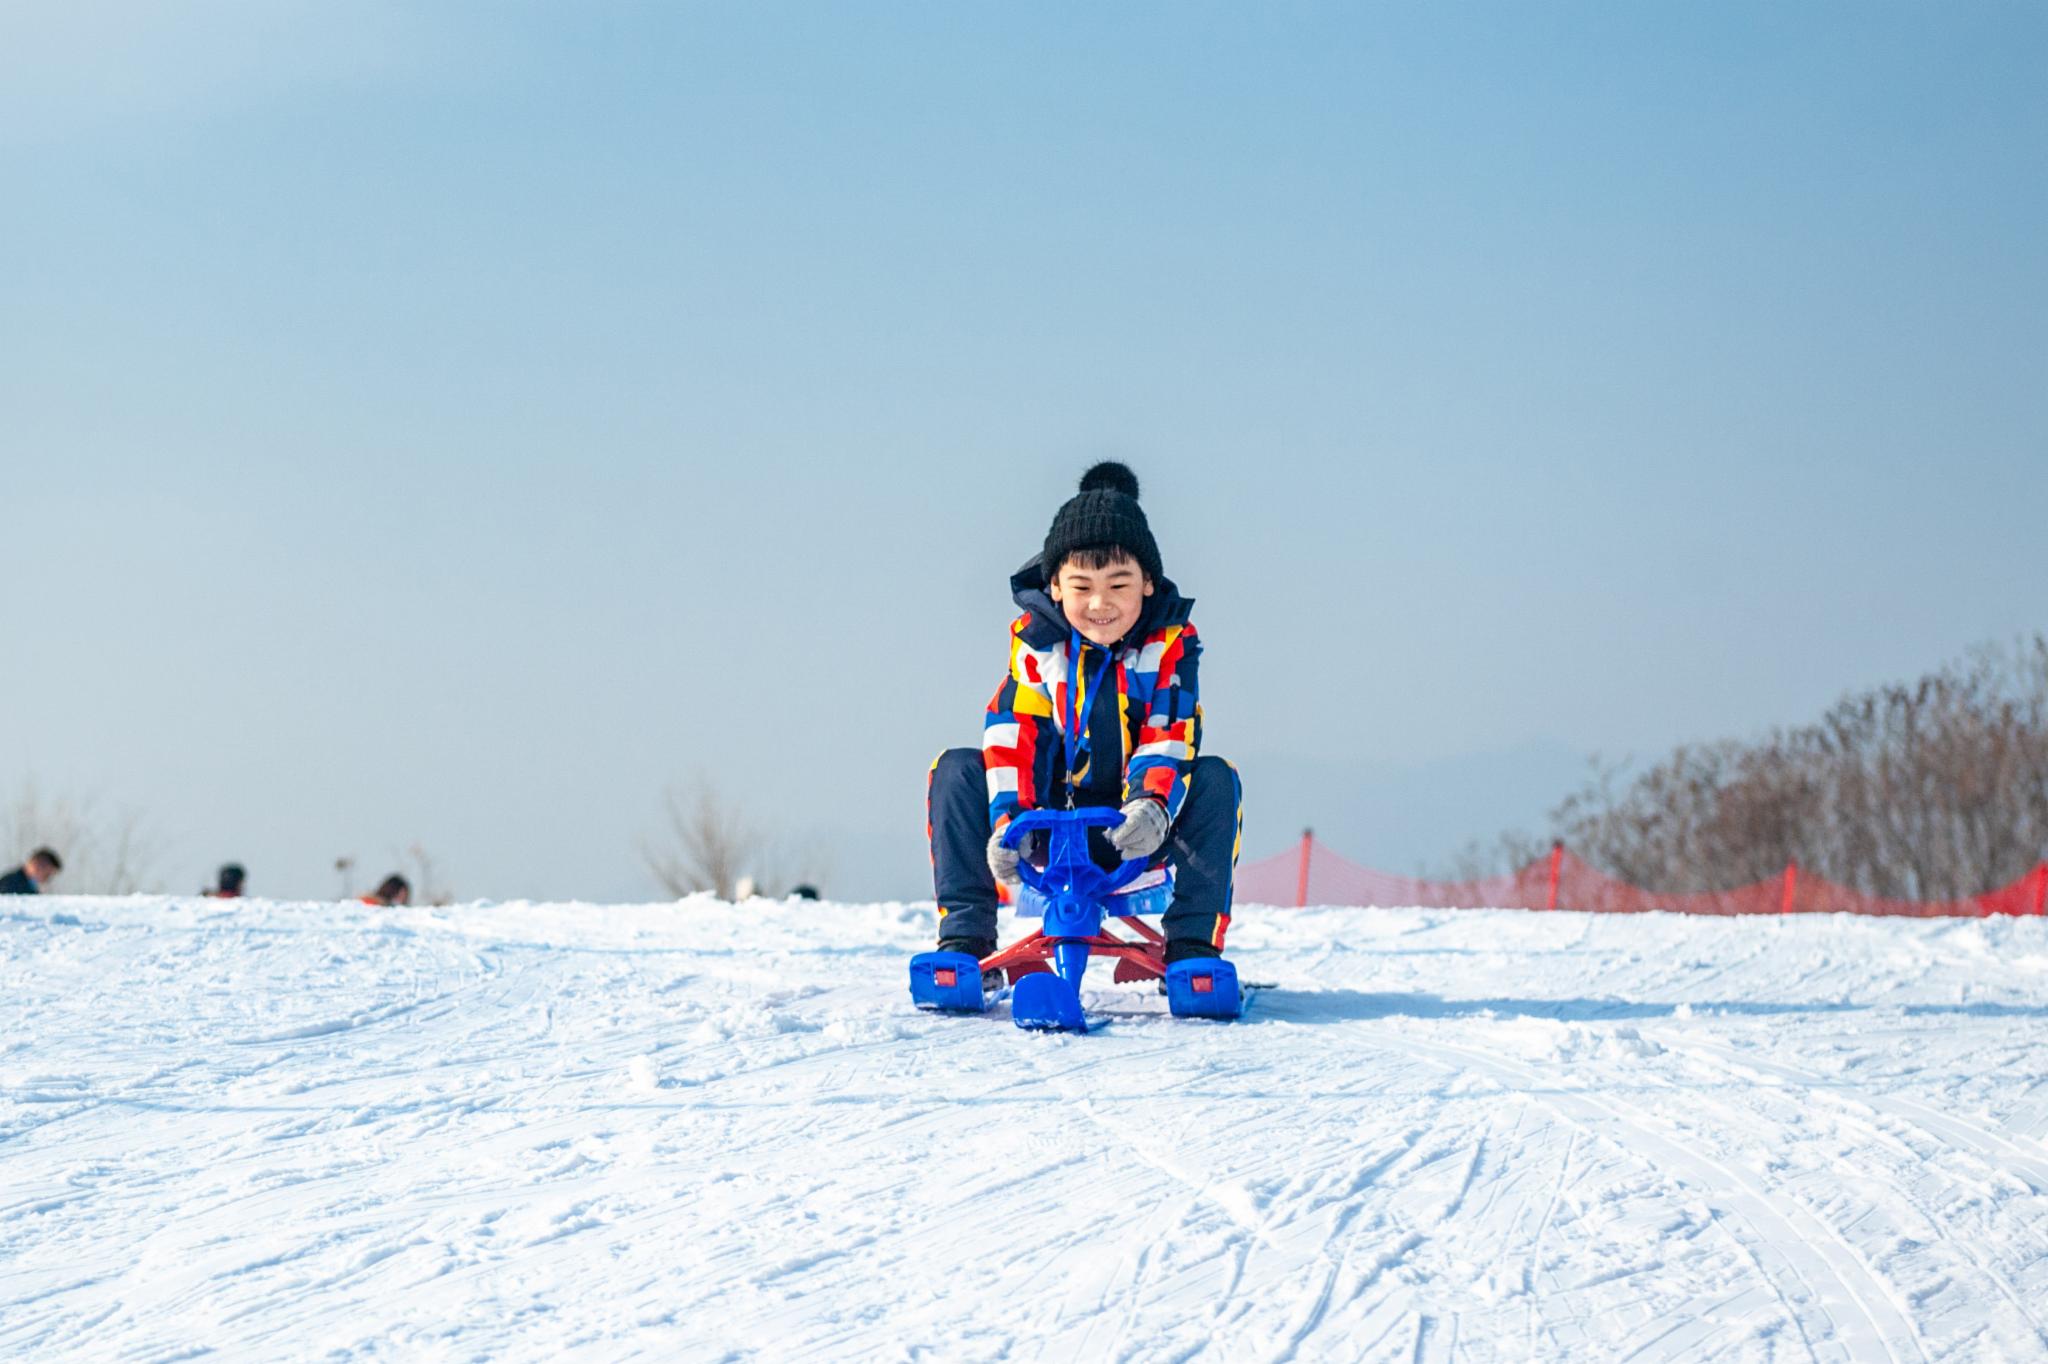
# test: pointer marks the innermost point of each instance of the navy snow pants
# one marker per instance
(1202, 848)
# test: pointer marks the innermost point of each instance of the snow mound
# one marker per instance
(706, 1131)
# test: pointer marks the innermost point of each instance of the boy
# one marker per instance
(35, 872)
(1099, 709)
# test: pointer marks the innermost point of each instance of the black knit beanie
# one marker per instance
(1105, 514)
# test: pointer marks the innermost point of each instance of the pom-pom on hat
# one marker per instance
(1104, 513)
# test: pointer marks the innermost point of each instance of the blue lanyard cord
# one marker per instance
(1076, 705)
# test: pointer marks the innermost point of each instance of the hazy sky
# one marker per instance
(458, 422)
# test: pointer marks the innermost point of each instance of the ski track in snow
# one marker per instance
(707, 1132)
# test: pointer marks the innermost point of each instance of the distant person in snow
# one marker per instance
(229, 884)
(33, 874)
(392, 890)
(1098, 710)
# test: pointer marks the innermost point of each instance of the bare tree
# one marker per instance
(706, 844)
(1931, 790)
(105, 851)
(709, 843)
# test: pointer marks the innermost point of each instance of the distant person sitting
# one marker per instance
(229, 886)
(33, 874)
(392, 890)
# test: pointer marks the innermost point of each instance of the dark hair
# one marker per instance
(47, 855)
(232, 876)
(1094, 557)
(393, 886)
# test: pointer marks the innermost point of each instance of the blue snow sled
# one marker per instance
(1071, 897)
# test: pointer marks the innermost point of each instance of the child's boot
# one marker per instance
(1199, 982)
(950, 979)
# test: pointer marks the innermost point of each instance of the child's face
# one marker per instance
(1102, 603)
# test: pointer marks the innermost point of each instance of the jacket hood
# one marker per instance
(1166, 606)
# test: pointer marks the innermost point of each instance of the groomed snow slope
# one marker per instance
(704, 1132)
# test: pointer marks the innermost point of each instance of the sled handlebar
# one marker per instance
(1090, 817)
(1068, 865)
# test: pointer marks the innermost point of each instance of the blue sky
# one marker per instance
(459, 423)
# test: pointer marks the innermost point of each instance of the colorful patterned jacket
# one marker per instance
(1140, 723)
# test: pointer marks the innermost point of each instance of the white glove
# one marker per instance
(1143, 829)
(1003, 861)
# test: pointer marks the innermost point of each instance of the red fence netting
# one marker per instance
(1310, 874)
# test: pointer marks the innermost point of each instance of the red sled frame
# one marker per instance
(1143, 959)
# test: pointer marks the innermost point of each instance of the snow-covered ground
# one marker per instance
(706, 1132)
